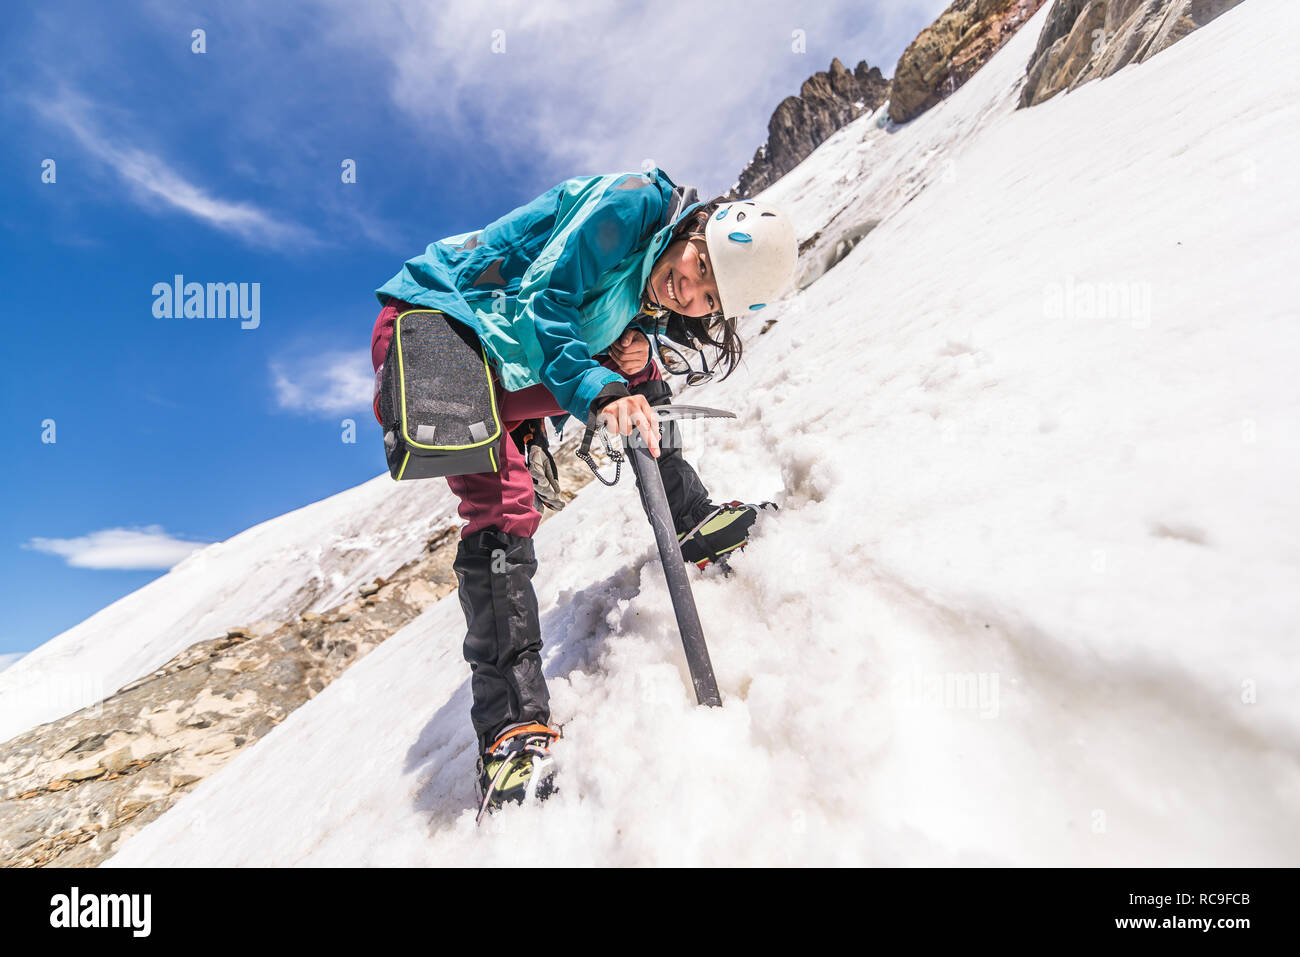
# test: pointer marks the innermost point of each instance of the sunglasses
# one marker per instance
(672, 356)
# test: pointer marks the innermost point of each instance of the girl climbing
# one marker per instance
(563, 294)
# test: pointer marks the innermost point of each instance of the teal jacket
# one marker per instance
(553, 283)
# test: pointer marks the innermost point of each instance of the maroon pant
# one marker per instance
(502, 499)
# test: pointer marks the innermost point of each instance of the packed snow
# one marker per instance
(1031, 594)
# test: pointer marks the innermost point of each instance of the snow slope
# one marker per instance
(310, 558)
(1031, 594)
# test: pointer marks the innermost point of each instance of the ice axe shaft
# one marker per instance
(651, 486)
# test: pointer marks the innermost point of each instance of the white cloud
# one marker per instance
(154, 182)
(326, 384)
(588, 86)
(121, 548)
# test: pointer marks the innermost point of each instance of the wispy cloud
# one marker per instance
(329, 383)
(515, 90)
(154, 183)
(588, 85)
(149, 547)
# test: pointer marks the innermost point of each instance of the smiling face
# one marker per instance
(682, 279)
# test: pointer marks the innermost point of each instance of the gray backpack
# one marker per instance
(436, 401)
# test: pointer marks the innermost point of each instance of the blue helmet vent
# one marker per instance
(740, 237)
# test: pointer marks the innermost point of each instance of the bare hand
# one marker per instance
(631, 352)
(621, 415)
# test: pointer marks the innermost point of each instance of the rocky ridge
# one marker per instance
(1087, 39)
(948, 52)
(826, 101)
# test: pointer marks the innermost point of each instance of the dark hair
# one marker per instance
(698, 331)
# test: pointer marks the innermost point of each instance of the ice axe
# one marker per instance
(651, 487)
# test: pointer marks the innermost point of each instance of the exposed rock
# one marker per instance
(73, 789)
(949, 52)
(117, 760)
(85, 782)
(1087, 39)
(437, 541)
(84, 774)
(826, 102)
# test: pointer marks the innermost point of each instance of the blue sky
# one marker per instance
(226, 166)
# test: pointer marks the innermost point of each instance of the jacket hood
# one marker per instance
(684, 202)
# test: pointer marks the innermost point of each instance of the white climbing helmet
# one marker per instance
(752, 250)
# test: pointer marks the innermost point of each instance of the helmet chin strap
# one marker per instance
(655, 297)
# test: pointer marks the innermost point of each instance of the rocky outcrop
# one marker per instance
(826, 102)
(72, 790)
(948, 52)
(1087, 39)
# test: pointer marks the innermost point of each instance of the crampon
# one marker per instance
(518, 768)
